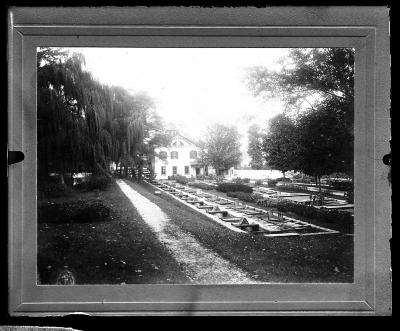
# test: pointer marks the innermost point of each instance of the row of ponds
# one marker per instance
(238, 216)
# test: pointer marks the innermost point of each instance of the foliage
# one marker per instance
(280, 145)
(77, 211)
(324, 144)
(202, 186)
(271, 182)
(233, 187)
(221, 147)
(53, 190)
(283, 179)
(341, 185)
(181, 179)
(244, 196)
(350, 196)
(94, 182)
(255, 147)
(324, 215)
(325, 72)
(259, 182)
(84, 125)
(319, 141)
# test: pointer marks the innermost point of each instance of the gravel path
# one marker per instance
(202, 265)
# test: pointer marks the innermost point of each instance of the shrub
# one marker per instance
(181, 180)
(80, 212)
(271, 182)
(297, 177)
(350, 196)
(329, 216)
(268, 202)
(95, 212)
(259, 182)
(53, 190)
(341, 185)
(94, 182)
(246, 180)
(201, 186)
(244, 196)
(233, 187)
(283, 179)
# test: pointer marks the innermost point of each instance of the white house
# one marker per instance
(181, 158)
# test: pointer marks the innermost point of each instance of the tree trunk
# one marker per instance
(320, 190)
(101, 170)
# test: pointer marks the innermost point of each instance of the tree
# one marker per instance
(280, 144)
(320, 79)
(327, 72)
(221, 147)
(324, 145)
(84, 125)
(255, 147)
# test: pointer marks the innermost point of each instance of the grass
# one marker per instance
(304, 190)
(347, 229)
(325, 258)
(123, 249)
(119, 249)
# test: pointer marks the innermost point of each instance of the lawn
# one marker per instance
(325, 258)
(118, 249)
(121, 248)
(345, 229)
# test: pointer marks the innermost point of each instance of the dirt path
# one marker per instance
(202, 265)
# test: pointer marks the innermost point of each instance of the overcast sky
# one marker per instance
(192, 87)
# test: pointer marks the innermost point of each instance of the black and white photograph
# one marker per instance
(195, 165)
(199, 161)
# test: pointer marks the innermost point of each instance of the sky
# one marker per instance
(191, 87)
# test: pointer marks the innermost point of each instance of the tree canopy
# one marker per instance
(315, 135)
(84, 125)
(280, 144)
(255, 147)
(221, 147)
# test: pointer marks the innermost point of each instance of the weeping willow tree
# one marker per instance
(85, 126)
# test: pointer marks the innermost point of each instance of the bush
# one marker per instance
(67, 212)
(271, 182)
(53, 190)
(94, 182)
(181, 180)
(268, 203)
(259, 182)
(297, 177)
(244, 196)
(284, 179)
(95, 212)
(201, 186)
(350, 196)
(246, 180)
(341, 185)
(233, 187)
(329, 216)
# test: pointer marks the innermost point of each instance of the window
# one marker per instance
(193, 154)
(163, 155)
(186, 170)
(163, 170)
(174, 170)
(174, 155)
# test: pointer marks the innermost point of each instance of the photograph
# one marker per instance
(195, 165)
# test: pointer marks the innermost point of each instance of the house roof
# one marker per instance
(186, 138)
